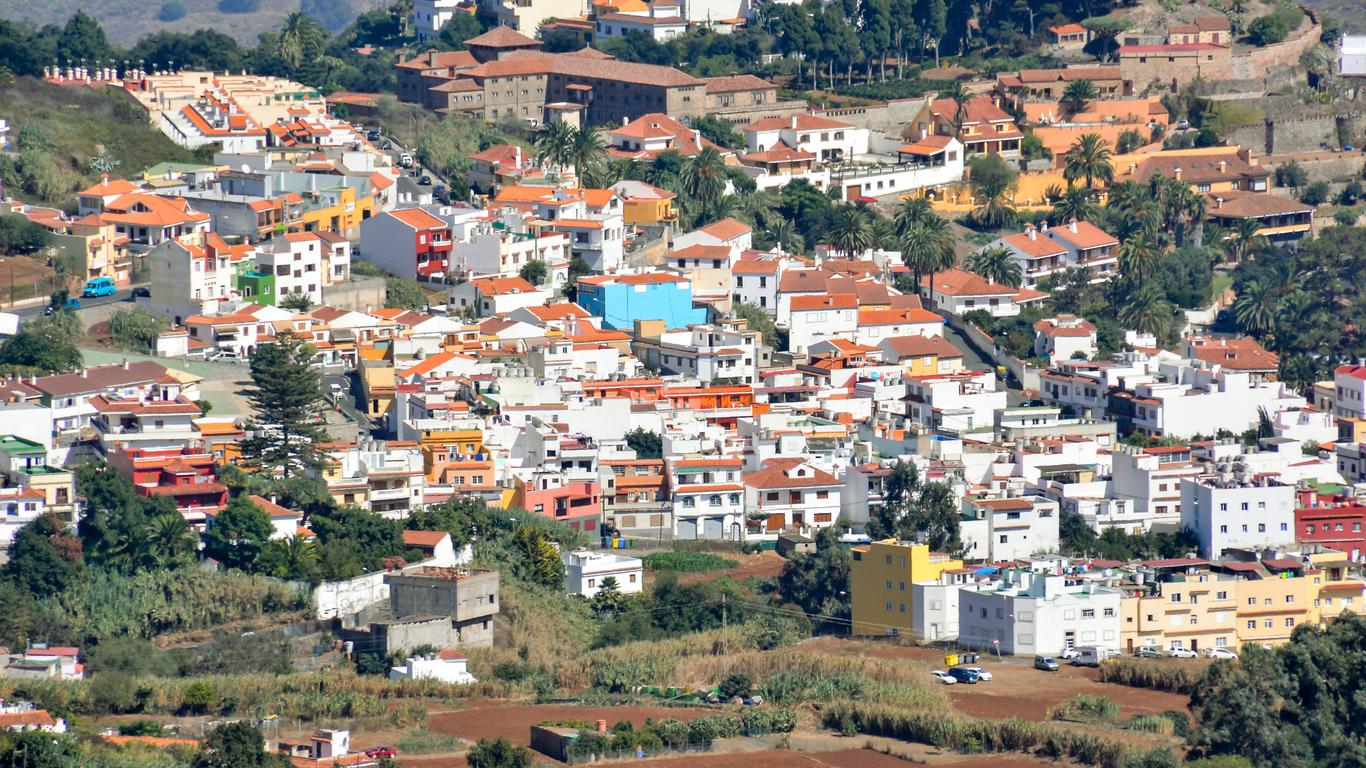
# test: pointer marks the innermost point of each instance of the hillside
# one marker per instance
(78, 122)
(1352, 13)
(127, 21)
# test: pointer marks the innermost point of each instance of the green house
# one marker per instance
(257, 288)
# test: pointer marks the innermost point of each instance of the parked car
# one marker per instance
(1068, 654)
(1147, 652)
(1181, 653)
(405, 160)
(982, 674)
(425, 180)
(223, 355)
(943, 677)
(964, 675)
(381, 752)
(142, 293)
(100, 286)
(73, 303)
(1045, 663)
(1220, 653)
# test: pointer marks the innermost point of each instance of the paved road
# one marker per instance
(409, 191)
(86, 303)
(350, 392)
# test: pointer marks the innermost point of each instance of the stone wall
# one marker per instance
(358, 294)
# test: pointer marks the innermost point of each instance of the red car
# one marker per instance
(380, 752)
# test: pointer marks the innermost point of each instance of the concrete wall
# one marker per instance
(359, 293)
(336, 599)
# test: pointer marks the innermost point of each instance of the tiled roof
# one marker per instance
(501, 37)
(1237, 204)
(101, 377)
(1065, 326)
(417, 218)
(979, 109)
(1243, 354)
(1143, 50)
(795, 122)
(1083, 235)
(824, 301)
(921, 346)
(727, 229)
(887, 316)
(960, 282)
(777, 473)
(585, 67)
(736, 83)
(781, 152)
(1038, 246)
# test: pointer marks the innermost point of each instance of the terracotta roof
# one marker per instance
(654, 125)
(782, 152)
(1213, 23)
(1194, 168)
(644, 21)
(1038, 246)
(500, 153)
(960, 282)
(755, 267)
(1243, 354)
(1237, 204)
(181, 405)
(38, 718)
(921, 346)
(795, 122)
(779, 473)
(1065, 326)
(980, 109)
(1067, 29)
(1351, 371)
(1083, 235)
(1142, 50)
(703, 252)
(100, 377)
(426, 539)
(645, 278)
(108, 187)
(824, 301)
(889, 316)
(1094, 74)
(501, 37)
(585, 67)
(417, 218)
(561, 311)
(1004, 505)
(803, 281)
(930, 145)
(499, 286)
(272, 509)
(735, 83)
(440, 60)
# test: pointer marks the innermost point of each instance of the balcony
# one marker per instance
(400, 493)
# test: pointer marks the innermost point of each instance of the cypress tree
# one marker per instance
(285, 394)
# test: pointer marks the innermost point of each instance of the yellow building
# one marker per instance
(1194, 610)
(1206, 169)
(338, 209)
(880, 578)
(1269, 609)
(377, 385)
(444, 446)
(646, 204)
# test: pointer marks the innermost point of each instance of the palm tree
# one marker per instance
(1089, 159)
(960, 96)
(1077, 94)
(1255, 307)
(170, 540)
(1075, 203)
(587, 148)
(1138, 259)
(703, 179)
(556, 146)
(851, 233)
(299, 36)
(784, 235)
(924, 251)
(997, 264)
(1243, 239)
(912, 212)
(1146, 311)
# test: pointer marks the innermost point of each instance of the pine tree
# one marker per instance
(238, 534)
(285, 394)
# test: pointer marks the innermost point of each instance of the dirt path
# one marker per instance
(513, 722)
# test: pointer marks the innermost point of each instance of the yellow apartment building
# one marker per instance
(1269, 609)
(1195, 610)
(880, 577)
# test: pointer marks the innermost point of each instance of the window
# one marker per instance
(1176, 597)
(592, 582)
(1220, 595)
(887, 606)
(1088, 613)
(1290, 622)
(1003, 538)
(1252, 601)
(888, 584)
(1268, 624)
(1252, 624)
(1261, 527)
(1290, 598)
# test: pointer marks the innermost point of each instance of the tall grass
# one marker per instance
(1086, 708)
(937, 728)
(1138, 673)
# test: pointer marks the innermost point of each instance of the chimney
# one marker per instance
(794, 122)
(1133, 167)
(85, 374)
(272, 499)
(1218, 203)
(1043, 225)
(1072, 225)
(625, 121)
(1176, 172)
(602, 726)
(125, 363)
(517, 155)
(1223, 166)
(104, 179)
(1030, 232)
(697, 138)
(431, 58)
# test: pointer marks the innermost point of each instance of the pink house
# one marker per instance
(577, 503)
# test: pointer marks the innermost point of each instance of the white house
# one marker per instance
(708, 497)
(1031, 613)
(1065, 337)
(954, 402)
(1349, 391)
(1352, 56)
(1190, 400)
(791, 494)
(491, 296)
(18, 507)
(959, 291)
(820, 317)
(447, 666)
(662, 22)
(429, 16)
(296, 260)
(585, 571)
(831, 141)
(1009, 529)
(1235, 510)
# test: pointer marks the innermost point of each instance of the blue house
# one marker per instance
(621, 300)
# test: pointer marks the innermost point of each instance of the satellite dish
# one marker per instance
(245, 168)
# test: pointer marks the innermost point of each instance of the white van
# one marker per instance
(1089, 656)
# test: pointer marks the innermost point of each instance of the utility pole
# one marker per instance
(725, 636)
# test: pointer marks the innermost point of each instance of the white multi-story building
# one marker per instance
(144, 423)
(1065, 337)
(1231, 510)
(708, 498)
(497, 296)
(954, 402)
(1151, 478)
(705, 352)
(585, 571)
(755, 282)
(1349, 385)
(791, 494)
(386, 478)
(816, 318)
(296, 260)
(18, 507)
(1030, 613)
(486, 250)
(190, 277)
(1009, 529)
(959, 291)
(1199, 399)
(831, 141)
(429, 16)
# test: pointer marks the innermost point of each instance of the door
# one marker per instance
(1195, 645)
(1069, 639)
(687, 529)
(1131, 646)
(713, 528)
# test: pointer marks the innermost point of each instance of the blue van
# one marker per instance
(100, 286)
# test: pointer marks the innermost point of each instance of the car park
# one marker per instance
(1046, 663)
(943, 677)
(982, 674)
(1147, 652)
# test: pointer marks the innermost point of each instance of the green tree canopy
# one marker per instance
(237, 534)
(286, 397)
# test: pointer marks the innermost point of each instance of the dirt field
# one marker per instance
(1017, 689)
(492, 720)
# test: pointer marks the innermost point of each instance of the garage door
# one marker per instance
(687, 529)
(713, 528)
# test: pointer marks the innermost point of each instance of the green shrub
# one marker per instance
(1086, 708)
(1151, 724)
(687, 562)
(1138, 673)
(423, 741)
(736, 686)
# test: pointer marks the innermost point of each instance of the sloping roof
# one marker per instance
(734, 83)
(921, 346)
(426, 539)
(100, 377)
(795, 122)
(781, 152)
(571, 65)
(498, 286)
(960, 282)
(1202, 167)
(930, 145)
(1083, 234)
(979, 109)
(727, 229)
(1143, 50)
(1243, 354)
(824, 301)
(1237, 204)
(272, 509)
(776, 474)
(1065, 326)
(1037, 246)
(501, 37)
(418, 218)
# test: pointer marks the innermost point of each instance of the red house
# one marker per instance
(409, 242)
(1337, 522)
(577, 503)
(187, 475)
